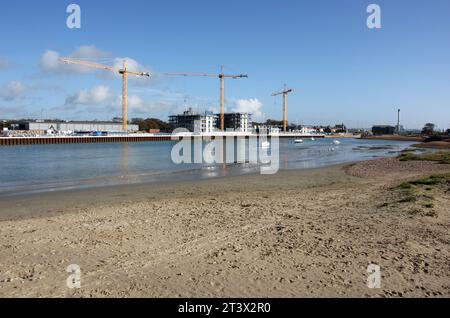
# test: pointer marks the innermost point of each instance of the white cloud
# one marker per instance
(50, 63)
(137, 105)
(135, 101)
(17, 90)
(94, 96)
(102, 100)
(132, 65)
(11, 91)
(252, 105)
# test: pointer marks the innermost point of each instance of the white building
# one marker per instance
(245, 123)
(308, 131)
(239, 122)
(205, 124)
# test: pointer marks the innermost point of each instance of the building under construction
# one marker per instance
(208, 122)
(194, 122)
(239, 122)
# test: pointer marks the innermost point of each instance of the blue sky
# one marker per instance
(340, 70)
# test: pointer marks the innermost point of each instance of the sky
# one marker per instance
(338, 68)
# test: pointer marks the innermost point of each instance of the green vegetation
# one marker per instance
(405, 186)
(409, 198)
(417, 192)
(151, 123)
(442, 157)
(433, 180)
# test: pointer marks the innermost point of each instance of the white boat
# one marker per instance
(265, 144)
(313, 139)
(298, 141)
(336, 142)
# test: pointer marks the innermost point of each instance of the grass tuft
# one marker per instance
(405, 186)
(409, 198)
(442, 157)
(433, 180)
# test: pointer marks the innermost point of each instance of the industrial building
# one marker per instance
(194, 122)
(76, 126)
(383, 130)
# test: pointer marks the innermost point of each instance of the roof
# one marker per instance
(77, 122)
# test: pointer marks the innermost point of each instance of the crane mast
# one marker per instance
(123, 71)
(284, 92)
(124, 97)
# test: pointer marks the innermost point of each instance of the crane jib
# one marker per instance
(122, 71)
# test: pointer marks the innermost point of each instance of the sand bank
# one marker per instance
(395, 137)
(434, 145)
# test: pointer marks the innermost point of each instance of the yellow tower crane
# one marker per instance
(284, 92)
(222, 77)
(123, 71)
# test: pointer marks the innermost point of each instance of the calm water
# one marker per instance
(55, 167)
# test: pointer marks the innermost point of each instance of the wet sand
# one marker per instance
(309, 233)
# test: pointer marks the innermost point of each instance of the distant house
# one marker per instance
(337, 129)
(340, 129)
(264, 129)
(383, 130)
(308, 130)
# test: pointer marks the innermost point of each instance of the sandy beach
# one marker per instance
(308, 233)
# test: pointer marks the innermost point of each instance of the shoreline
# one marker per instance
(42, 201)
(306, 233)
(424, 145)
(394, 137)
(125, 165)
(433, 145)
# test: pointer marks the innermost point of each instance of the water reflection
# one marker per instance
(44, 165)
(124, 157)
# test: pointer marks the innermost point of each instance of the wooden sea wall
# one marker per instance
(16, 141)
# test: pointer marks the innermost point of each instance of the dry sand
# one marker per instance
(295, 234)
